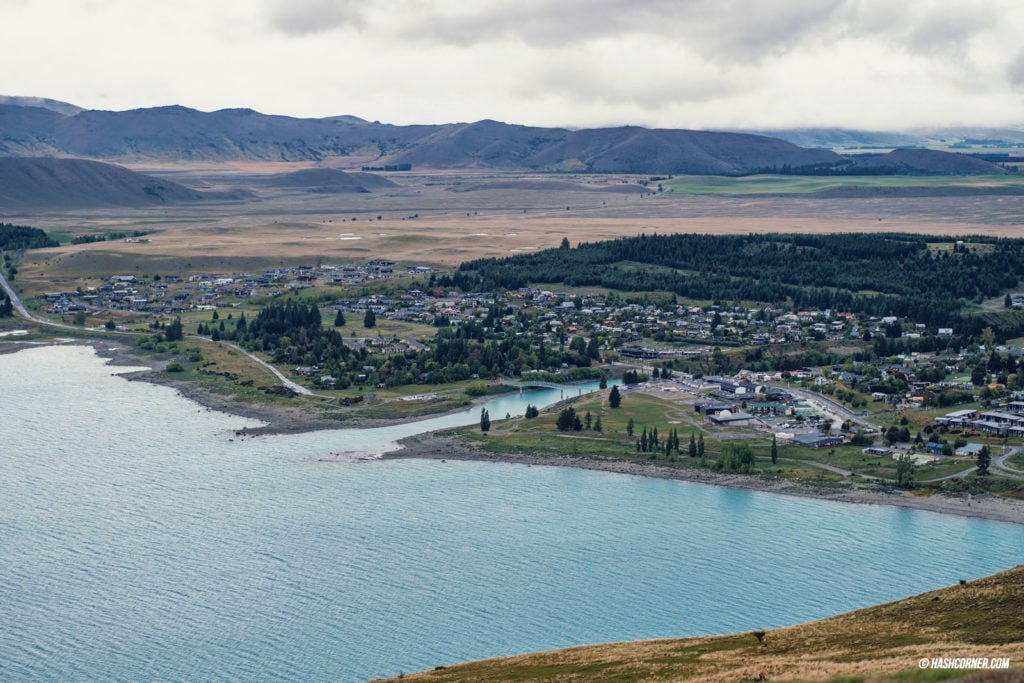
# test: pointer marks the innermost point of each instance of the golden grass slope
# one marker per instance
(983, 618)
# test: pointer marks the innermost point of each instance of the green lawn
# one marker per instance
(541, 435)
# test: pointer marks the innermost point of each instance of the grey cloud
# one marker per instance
(1015, 71)
(305, 17)
(921, 27)
(745, 31)
(947, 33)
(721, 31)
(649, 91)
(725, 30)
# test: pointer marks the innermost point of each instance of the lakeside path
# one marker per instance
(446, 446)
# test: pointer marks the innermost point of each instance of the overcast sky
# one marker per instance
(707, 64)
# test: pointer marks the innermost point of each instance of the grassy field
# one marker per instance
(851, 458)
(225, 371)
(787, 184)
(540, 435)
(979, 618)
(668, 412)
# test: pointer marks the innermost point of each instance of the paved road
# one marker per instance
(955, 475)
(27, 314)
(24, 313)
(849, 473)
(1001, 468)
(997, 466)
(836, 470)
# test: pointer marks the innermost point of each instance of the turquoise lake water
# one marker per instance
(140, 540)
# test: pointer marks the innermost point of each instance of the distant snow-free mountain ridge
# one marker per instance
(39, 127)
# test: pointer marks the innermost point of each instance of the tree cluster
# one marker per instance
(293, 333)
(651, 442)
(633, 377)
(904, 471)
(585, 348)
(897, 434)
(737, 458)
(569, 420)
(173, 331)
(90, 238)
(16, 237)
(887, 274)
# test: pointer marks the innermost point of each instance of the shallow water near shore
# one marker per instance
(140, 539)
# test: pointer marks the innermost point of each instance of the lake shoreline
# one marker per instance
(276, 418)
(444, 445)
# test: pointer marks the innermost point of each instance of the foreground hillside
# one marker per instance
(983, 618)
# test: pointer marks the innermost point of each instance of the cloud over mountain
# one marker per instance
(708, 64)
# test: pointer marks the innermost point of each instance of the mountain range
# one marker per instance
(46, 128)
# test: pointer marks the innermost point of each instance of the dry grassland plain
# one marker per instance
(443, 218)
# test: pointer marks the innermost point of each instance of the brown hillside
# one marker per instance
(923, 162)
(29, 183)
(983, 618)
(329, 180)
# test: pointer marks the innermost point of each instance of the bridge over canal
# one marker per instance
(566, 389)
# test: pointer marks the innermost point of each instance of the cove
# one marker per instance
(140, 540)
